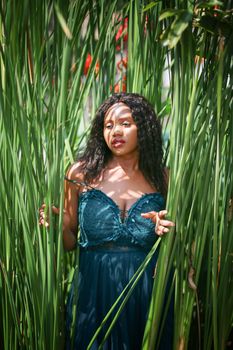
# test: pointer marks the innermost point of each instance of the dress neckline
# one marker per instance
(111, 201)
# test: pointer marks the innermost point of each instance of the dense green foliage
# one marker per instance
(58, 61)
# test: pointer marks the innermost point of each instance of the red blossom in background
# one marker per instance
(120, 86)
(122, 31)
(88, 64)
(122, 63)
(216, 8)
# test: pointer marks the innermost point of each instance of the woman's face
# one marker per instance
(120, 130)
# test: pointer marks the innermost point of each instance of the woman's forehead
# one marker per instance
(118, 110)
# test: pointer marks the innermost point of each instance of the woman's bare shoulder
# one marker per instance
(75, 172)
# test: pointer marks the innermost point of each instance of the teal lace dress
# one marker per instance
(111, 250)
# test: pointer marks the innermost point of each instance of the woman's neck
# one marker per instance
(129, 164)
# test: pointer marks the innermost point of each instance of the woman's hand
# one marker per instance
(44, 220)
(158, 218)
(69, 237)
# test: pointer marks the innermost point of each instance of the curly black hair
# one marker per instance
(97, 154)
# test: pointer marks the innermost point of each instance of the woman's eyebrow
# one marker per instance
(126, 117)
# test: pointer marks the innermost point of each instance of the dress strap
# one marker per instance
(78, 182)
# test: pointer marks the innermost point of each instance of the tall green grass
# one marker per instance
(46, 104)
(199, 191)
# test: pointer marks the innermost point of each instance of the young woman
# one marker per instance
(115, 194)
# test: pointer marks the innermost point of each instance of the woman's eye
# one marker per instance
(108, 126)
(126, 123)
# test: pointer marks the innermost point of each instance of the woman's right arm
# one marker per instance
(70, 210)
(70, 214)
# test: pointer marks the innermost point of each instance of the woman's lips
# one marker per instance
(117, 143)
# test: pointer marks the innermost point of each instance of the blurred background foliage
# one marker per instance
(59, 60)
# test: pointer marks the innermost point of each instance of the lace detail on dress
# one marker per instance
(100, 220)
(123, 215)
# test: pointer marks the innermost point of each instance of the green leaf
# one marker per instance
(173, 33)
(208, 4)
(169, 13)
(151, 5)
(62, 22)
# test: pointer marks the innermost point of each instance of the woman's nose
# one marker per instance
(117, 130)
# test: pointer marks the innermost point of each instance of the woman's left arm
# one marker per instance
(161, 224)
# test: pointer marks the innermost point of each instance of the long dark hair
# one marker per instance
(97, 154)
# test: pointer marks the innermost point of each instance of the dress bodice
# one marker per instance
(100, 220)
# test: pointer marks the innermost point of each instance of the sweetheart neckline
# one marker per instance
(116, 205)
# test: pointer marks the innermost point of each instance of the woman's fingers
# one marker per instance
(153, 215)
(43, 218)
(162, 213)
(160, 230)
(55, 210)
(166, 223)
(161, 225)
(43, 222)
